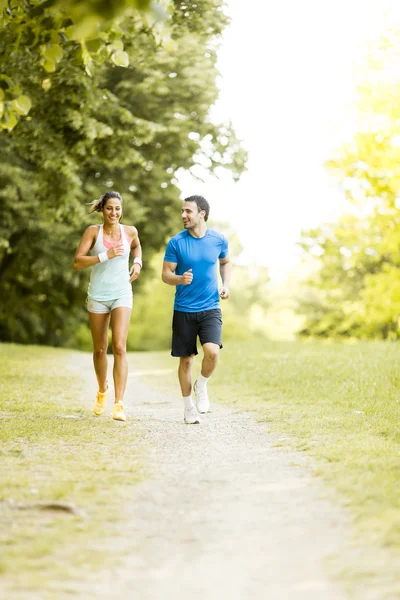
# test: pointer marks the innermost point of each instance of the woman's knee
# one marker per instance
(100, 351)
(119, 349)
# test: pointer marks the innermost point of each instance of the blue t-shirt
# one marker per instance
(200, 255)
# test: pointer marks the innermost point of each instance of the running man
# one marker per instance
(190, 263)
(110, 293)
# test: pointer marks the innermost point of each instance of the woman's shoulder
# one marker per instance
(130, 230)
(92, 230)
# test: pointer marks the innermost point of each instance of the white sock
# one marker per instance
(188, 401)
(202, 381)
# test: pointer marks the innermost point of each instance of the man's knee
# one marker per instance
(211, 352)
(186, 362)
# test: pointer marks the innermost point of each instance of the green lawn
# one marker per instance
(53, 450)
(339, 403)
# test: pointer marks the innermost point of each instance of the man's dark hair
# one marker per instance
(202, 204)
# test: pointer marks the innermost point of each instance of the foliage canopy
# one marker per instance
(93, 125)
(356, 291)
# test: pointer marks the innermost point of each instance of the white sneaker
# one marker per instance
(191, 416)
(202, 401)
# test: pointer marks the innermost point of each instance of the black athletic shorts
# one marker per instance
(186, 326)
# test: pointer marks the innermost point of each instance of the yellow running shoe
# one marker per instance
(100, 404)
(117, 412)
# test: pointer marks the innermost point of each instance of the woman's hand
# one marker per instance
(134, 272)
(115, 251)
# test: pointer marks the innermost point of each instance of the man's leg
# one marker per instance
(185, 380)
(210, 333)
(210, 359)
(185, 374)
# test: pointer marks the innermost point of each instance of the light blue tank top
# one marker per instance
(110, 280)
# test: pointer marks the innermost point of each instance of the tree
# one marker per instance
(129, 128)
(356, 291)
(44, 28)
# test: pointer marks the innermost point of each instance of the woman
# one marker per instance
(110, 293)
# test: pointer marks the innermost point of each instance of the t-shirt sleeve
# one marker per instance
(224, 248)
(170, 252)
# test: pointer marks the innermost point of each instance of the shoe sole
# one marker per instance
(203, 412)
(197, 422)
(118, 417)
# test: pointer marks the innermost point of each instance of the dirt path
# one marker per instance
(223, 514)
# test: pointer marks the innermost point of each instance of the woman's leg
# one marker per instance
(120, 319)
(99, 328)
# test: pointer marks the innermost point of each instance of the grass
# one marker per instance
(339, 403)
(53, 450)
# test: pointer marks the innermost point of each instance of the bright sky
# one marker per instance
(287, 83)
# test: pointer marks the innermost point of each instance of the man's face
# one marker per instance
(191, 216)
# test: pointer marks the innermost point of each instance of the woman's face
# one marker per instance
(112, 211)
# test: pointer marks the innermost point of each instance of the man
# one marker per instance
(190, 263)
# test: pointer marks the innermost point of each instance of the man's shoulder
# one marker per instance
(216, 235)
(179, 236)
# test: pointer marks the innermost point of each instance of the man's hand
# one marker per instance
(224, 292)
(187, 277)
(134, 272)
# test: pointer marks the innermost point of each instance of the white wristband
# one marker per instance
(138, 261)
(103, 257)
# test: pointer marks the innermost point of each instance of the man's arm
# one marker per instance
(169, 276)
(225, 270)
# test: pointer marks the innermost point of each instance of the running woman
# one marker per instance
(190, 263)
(110, 293)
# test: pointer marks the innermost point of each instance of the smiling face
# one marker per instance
(112, 212)
(191, 215)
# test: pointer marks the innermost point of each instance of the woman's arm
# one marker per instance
(136, 251)
(81, 260)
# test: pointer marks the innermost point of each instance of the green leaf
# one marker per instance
(54, 52)
(21, 105)
(120, 58)
(117, 45)
(86, 29)
(49, 65)
(10, 121)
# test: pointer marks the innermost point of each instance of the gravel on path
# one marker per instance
(223, 513)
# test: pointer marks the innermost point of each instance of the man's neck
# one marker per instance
(199, 231)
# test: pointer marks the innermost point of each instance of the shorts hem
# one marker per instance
(212, 342)
(176, 355)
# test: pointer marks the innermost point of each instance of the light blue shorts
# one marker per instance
(106, 306)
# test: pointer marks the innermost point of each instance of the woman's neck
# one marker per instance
(111, 230)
